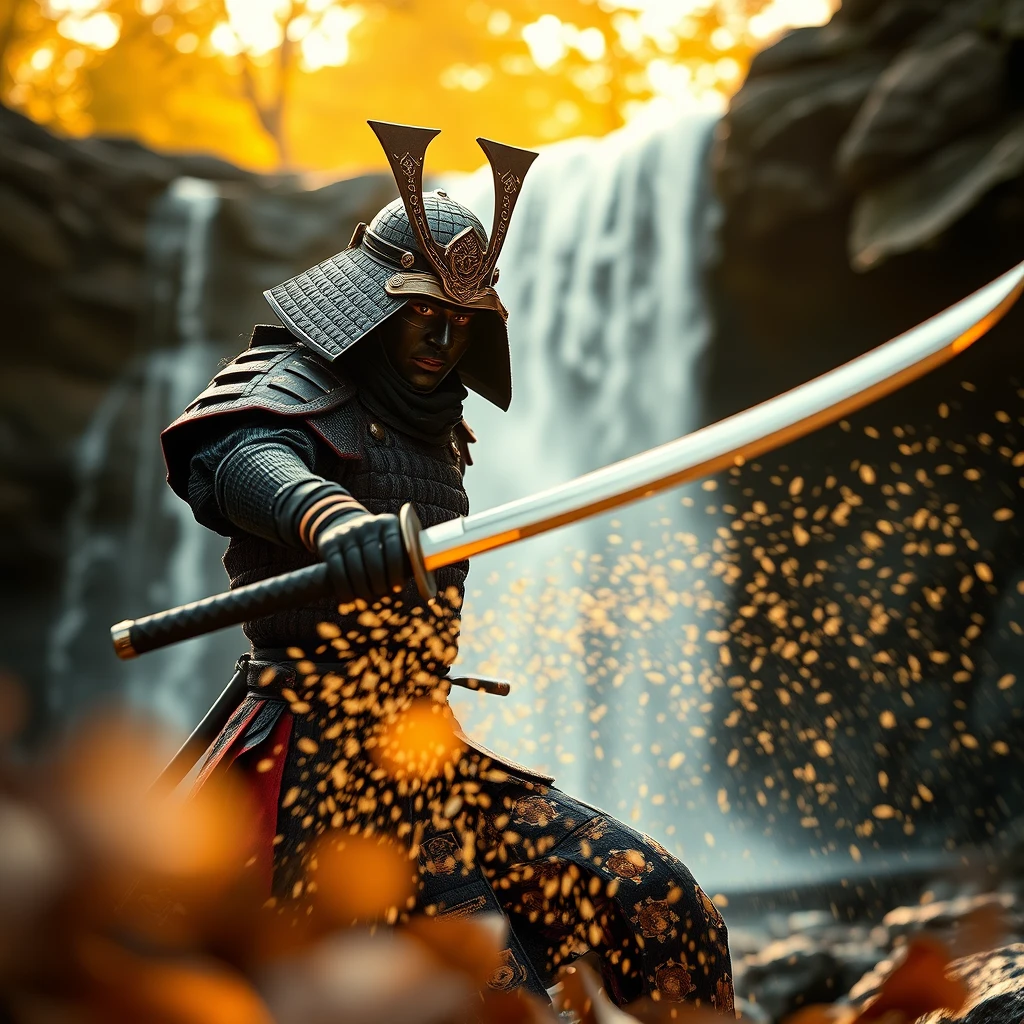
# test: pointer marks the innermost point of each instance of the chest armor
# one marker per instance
(385, 469)
(381, 468)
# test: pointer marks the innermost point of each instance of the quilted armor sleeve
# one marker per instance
(275, 379)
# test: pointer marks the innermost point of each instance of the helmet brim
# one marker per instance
(334, 305)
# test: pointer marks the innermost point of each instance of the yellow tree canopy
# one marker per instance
(289, 83)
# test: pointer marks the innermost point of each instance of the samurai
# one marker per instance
(305, 448)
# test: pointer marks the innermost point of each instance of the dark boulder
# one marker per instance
(868, 179)
(925, 98)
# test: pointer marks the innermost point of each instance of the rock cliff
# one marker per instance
(92, 283)
(871, 172)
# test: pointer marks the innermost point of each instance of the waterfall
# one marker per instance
(163, 557)
(601, 273)
(88, 549)
(175, 373)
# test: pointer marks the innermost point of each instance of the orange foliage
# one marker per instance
(293, 90)
(918, 985)
(419, 742)
(359, 878)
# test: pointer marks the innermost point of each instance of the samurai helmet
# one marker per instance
(421, 245)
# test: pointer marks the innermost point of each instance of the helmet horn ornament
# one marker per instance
(465, 267)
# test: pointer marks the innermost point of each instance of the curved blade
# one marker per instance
(732, 441)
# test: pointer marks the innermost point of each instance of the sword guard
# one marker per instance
(411, 527)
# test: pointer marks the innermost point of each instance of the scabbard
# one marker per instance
(205, 732)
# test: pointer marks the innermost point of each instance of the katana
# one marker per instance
(731, 441)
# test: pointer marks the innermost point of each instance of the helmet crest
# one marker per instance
(423, 246)
(464, 267)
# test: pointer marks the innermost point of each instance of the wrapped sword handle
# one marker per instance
(133, 637)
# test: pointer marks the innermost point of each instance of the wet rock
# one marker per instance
(806, 112)
(835, 110)
(790, 973)
(117, 284)
(896, 24)
(814, 955)
(807, 45)
(860, 10)
(910, 211)
(965, 922)
(996, 982)
(994, 979)
(27, 232)
(1013, 19)
(925, 98)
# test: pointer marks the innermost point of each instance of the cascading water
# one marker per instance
(164, 557)
(601, 273)
(175, 374)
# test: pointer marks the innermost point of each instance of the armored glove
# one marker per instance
(265, 486)
(364, 554)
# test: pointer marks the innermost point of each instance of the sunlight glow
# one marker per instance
(551, 39)
(327, 44)
(472, 78)
(77, 8)
(257, 24)
(624, 61)
(783, 14)
(640, 23)
(99, 31)
(546, 41)
(499, 22)
(85, 22)
(258, 27)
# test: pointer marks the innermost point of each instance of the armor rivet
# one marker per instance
(443, 195)
(408, 259)
(494, 276)
(377, 431)
(396, 280)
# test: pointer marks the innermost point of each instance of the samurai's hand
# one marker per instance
(365, 556)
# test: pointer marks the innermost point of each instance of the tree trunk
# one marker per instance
(271, 113)
(8, 34)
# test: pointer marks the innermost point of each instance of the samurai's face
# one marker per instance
(425, 339)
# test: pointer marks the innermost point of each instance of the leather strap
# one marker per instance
(321, 511)
(407, 259)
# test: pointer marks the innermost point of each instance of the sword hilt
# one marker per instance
(133, 637)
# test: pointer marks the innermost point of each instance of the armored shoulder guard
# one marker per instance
(276, 376)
